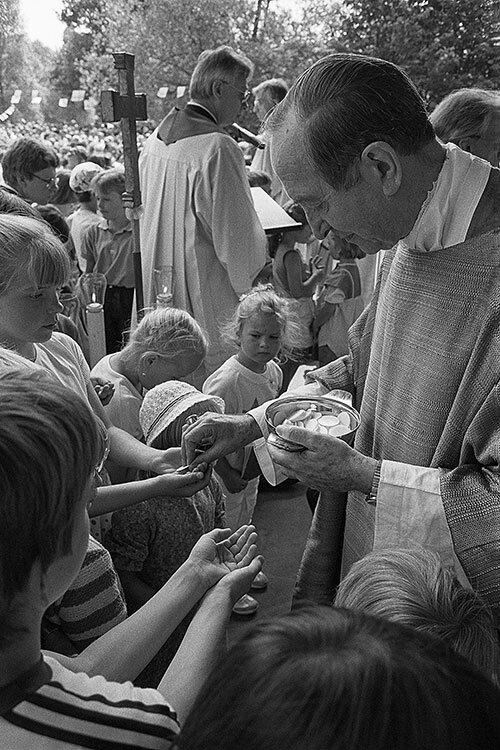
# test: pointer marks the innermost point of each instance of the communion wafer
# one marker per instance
(325, 424)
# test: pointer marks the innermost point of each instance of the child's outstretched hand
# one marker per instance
(221, 553)
(104, 390)
(183, 483)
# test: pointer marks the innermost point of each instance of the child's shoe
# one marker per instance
(260, 581)
(246, 605)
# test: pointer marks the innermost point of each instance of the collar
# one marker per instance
(103, 224)
(194, 119)
(204, 110)
(445, 215)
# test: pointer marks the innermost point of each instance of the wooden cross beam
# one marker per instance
(127, 106)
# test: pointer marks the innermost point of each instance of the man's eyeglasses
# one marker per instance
(52, 181)
(246, 94)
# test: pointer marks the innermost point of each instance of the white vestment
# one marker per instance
(199, 218)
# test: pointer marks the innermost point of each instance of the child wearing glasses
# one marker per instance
(49, 448)
(29, 170)
(33, 267)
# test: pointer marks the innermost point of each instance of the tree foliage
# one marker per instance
(442, 44)
(24, 65)
(9, 37)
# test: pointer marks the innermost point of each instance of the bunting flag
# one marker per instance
(78, 95)
(8, 112)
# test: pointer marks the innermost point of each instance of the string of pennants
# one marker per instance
(78, 95)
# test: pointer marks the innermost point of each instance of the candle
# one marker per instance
(96, 333)
(164, 299)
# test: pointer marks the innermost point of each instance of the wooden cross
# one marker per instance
(127, 106)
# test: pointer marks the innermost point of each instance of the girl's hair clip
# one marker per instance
(261, 288)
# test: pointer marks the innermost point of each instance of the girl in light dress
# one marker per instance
(168, 344)
(33, 267)
(263, 325)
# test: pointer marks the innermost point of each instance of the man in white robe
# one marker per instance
(198, 216)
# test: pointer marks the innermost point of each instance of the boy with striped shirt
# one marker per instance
(49, 450)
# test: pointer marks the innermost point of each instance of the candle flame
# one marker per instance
(94, 298)
(165, 290)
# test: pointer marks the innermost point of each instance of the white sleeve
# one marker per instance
(409, 511)
(238, 238)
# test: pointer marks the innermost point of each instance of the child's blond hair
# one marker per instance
(166, 331)
(264, 299)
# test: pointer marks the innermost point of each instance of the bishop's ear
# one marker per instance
(217, 88)
(381, 164)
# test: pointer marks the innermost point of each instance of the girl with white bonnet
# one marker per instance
(86, 214)
(150, 541)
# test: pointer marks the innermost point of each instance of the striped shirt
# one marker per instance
(94, 602)
(51, 708)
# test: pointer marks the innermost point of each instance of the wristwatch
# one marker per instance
(371, 498)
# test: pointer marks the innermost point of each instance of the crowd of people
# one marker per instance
(130, 482)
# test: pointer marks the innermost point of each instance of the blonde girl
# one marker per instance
(168, 344)
(263, 326)
(33, 267)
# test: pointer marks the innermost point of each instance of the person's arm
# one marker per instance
(326, 463)
(215, 435)
(116, 496)
(123, 652)
(205, 640)
(298, 286)
(137, 593)
(88, 249)
(220, 521)
(453, 511)
(324, 313)
(126, 450)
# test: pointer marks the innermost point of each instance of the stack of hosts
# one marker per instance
(352, 141)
